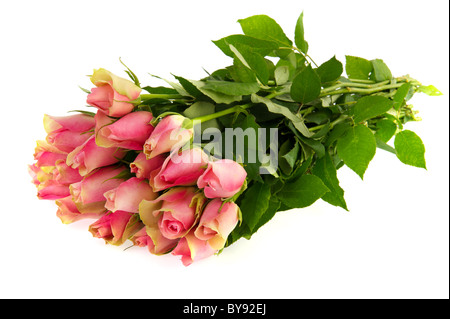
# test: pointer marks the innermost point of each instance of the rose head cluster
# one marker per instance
(141, 182)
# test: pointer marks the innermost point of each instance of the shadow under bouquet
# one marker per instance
(190, 167)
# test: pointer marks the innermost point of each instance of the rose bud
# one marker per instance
(40, 174)
(89, 156)
(73, 123)
(128, 195)
(143, 239)
(183, 168)
(171, 215)
(147, 237)
(191, 249)
(222, 179)
(142, 167)
(130, 131)
(88, 194)
(217, 222)
(112, 94)
(68, 132)
(52, 190)
(47, 155)
(69, 213)
(65, 174)
(52, 182)
(115, 228)
(169, 134)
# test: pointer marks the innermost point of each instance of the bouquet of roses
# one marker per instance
(191, 167)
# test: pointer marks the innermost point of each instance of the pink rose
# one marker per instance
(147, 237)
(88, 193)
(112, 94)
(182, 168)
(169, 134)
(65, 174)
(89, 156)
(128, 195)
(142, 239)
(191, 249)
(142, 167)
(69, 213)
(73, 123)
(68, 132)
(172, 215)
(222, 179)
(52, 182)
(46, 154)
(217, 222)
(129, 131)
(115, 228)
(52, 190)
(40, 175)
(178, 211)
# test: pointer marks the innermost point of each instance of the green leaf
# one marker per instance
(159, 90)
(287, 156)
(177, 86)
(188, 86)
(292, 155)
(296, 119)
(272, 209)
(232, 88)
(381, 71)
(201, 108)
(218, 75)
(216, 96)
(317, 146)
(303, 167)
(241, 230)
(429, 90)
(247, 145)
(84, 90)
(385, 147)
(385, 130)
(254, 204)
(125, 174)
(130, 73)
(265, 28)
(319, 116)
(300, 169)
(253, 61)
(282, 74)
(289, 61)
(259, 46)
(357, 68)
(410, 149)
(400, 95)
(357, 148)
(325, 169)
(370, 106)
(302, 192)
(330, 70)
(300, 35)
(337, 131)
(322, 132)
(241, 73)
(306, 86)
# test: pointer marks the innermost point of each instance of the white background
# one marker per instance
(392, 244)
